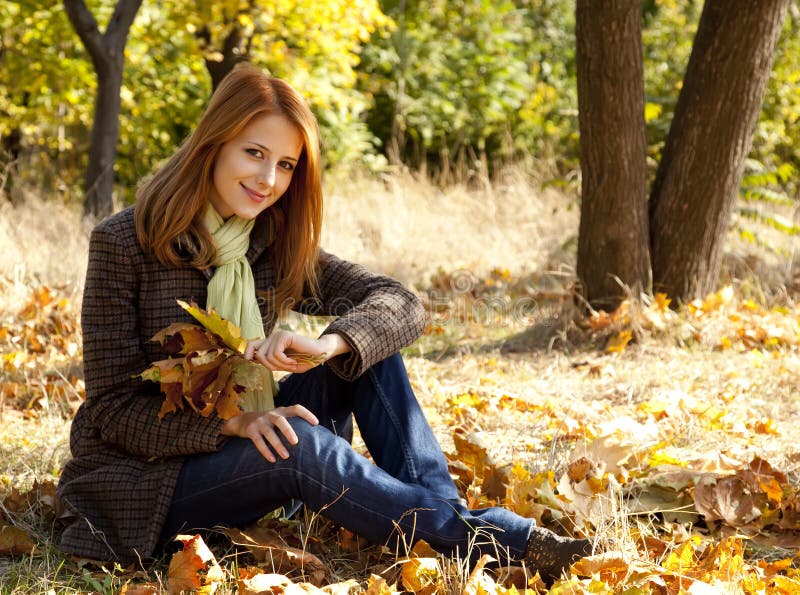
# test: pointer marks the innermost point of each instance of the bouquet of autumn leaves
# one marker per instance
(206, 369)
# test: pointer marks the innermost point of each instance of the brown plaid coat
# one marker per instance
(125, 462)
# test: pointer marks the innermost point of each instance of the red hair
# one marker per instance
(171, 202)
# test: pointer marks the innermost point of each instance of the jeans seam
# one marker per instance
(407, 455)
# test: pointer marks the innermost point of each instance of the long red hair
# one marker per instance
(170, 204)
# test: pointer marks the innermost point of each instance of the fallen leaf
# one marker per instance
(423, 576)
(14, 540)
(478, 583)
(377, 585)
(618, 342)
(140, 589)
(262, 584)
(266, 546)
(348, 587)
(725, 499)
(193, 567)
(610, 566)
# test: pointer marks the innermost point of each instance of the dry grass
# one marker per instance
(406, 228)
(409, 229)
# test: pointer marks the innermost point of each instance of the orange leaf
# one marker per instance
(611, 567)
(377, 585)
(192, 567)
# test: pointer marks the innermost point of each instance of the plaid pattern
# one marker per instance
(125, 462)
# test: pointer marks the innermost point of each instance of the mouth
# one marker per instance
(256, 196)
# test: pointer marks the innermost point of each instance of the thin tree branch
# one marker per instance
(121, 21)
(85, 26)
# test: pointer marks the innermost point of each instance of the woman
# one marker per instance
(238, 207)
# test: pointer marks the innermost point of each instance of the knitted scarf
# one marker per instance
(232, 293)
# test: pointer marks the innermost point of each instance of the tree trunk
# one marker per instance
(231, 52)
(710, 136)
(103, 142)
(108, 56)
(613, 235)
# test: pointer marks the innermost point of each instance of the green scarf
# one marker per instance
(232, 293)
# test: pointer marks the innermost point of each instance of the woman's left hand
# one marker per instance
(272, 351)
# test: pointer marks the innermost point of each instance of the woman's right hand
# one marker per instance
(263, 427)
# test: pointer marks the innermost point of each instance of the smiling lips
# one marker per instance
(256, 196)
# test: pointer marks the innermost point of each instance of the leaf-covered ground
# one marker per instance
(666, 436)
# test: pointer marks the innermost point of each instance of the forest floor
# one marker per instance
(665, 435)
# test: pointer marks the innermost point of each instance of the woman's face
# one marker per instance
(253, 170)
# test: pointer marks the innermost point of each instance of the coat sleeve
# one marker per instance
(123, 408)
(376, 315)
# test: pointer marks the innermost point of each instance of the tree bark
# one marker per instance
(710, 136)
(231, 52)
(107, 52)
(613, 234)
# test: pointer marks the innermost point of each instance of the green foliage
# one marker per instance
(314, 45)
(470, 79)
(470, 83)
(47, 81)
(777, 138)
(766, 206)
(46, 92)
(668, 34)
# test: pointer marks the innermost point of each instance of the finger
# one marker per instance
(248, 351)
(276, 364)
(303, 413)
(282, 424)
(274, 440)
(261, 356)
(261, 446)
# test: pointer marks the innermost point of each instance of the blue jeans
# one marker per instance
(406, 495)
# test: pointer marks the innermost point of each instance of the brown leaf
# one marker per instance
(580, 469)
(611, 566)
(726, 499)
(14, 540)
(225, 329)
(185, 337)
(266, 546)
(615, 570)
(193, 567)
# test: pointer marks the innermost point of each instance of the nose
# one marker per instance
(266, 175)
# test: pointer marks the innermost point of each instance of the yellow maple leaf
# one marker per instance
(230, 334)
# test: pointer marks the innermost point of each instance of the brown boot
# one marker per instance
(551, 554)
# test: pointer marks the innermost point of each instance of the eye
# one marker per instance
(287, 165)
(255, 152)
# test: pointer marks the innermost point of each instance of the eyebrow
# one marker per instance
(286, 157)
